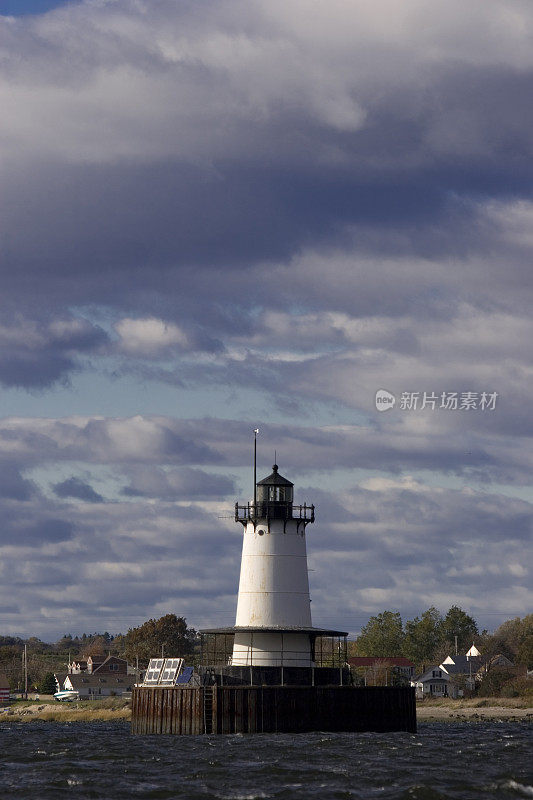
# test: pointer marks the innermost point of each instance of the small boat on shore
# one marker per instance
(66, 696)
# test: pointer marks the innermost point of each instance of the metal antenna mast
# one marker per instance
(256, 431)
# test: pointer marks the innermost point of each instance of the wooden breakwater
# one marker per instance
(271, 709)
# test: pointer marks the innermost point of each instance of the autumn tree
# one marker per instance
(382, 636)
(169, 633)
(96, 646)
(514, 639)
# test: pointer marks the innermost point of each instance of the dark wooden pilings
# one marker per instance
(272, 709)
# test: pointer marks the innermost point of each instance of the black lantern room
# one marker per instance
(275, 489)
(273, 499)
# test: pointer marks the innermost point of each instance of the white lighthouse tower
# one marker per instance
(273, 638)
(273, 625)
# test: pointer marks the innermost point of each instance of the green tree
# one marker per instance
(169, 632)
(48, 684)
(458, 623)
(423, 636)
(382, 636)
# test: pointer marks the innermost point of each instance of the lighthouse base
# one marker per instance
(271, 709)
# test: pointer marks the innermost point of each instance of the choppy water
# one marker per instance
(88, 760)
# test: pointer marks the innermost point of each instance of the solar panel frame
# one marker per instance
(152, 674)
(170, 671)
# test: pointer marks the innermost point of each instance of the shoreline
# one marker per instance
(453, 711)
(495, 713)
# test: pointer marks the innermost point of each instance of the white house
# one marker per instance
(94, 687)
(434, 682)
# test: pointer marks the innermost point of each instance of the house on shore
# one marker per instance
(433, 682)
(96, 687)
(457, 674)
(103, 665)
(97, 677)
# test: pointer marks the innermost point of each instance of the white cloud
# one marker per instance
(149, 336)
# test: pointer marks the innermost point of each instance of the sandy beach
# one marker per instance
(106, 710)
(457, 711)
(52, 711)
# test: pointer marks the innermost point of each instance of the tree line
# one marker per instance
(426, 639)
(169, 635)
(432, 636)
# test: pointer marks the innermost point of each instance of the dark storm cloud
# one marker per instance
(175, 484)
(309, 202)
(77, 489)
(35, 355)
(292, 165)
(43, 531)
(13, 485)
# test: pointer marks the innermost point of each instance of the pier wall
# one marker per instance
(271, 709)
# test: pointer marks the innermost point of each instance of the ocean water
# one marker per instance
(98, 760)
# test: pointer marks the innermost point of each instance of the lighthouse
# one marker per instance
(273, 624)
(273, 638)
(272, 672)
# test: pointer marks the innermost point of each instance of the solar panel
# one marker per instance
(185, 676)
(153, 672)
(170, 671)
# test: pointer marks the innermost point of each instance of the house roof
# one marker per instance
(109, 658)
(461, 664)
(428, 675)
(370, 661)
(82, 681)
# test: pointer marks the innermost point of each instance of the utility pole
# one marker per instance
(456, 645)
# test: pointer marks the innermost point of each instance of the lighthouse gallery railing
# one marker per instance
(268, 509)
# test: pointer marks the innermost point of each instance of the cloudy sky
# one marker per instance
(218, 215)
